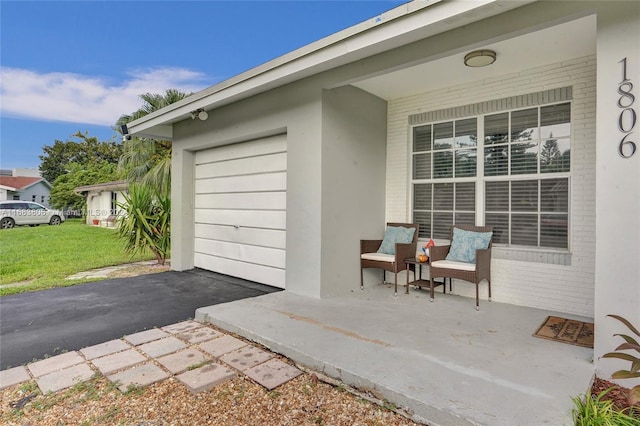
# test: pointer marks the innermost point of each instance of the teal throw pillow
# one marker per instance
(465, 243)
(393, 235)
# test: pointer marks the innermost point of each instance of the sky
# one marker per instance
(70, 66)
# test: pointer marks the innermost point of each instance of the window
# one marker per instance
(114, 202)
(523, 175)
(42, 199)
(444, 171)
(33, 198)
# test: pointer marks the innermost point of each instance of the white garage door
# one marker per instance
(240, 210)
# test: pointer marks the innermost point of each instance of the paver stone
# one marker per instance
(181, 326)
(64, 378)
(58, 362)
(114, 362)
(272, 373)
(141, 375)
(222, 345)
(206, 377)
(13, 376)
(145, 336)
(163, 346)
(107, 348)
(183, 360)
(246, 357)
(198, 335)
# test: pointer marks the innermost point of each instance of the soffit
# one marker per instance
(524, 52)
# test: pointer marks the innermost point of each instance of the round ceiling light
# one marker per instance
(479, 58)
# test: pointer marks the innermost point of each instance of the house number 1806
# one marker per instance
(628, 117)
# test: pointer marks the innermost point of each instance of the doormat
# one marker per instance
(567, 331)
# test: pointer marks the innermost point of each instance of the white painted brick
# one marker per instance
(567, 289)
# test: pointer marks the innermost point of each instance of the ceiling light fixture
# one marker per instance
(479, 58)
(200, 113)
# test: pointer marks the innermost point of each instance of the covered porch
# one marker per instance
(442, 362)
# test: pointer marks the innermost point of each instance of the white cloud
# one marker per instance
(85, 99)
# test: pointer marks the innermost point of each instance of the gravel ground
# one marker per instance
(304, 400)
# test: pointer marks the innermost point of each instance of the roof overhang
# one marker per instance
(106, 186)
(400, 26)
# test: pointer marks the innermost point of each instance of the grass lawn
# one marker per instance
(45, 255)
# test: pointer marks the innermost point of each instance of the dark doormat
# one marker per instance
(566, 331)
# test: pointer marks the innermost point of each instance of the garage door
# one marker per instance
(240, 210)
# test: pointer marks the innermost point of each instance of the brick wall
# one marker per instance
(563, 288)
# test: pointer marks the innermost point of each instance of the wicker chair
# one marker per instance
(370, 258)
(475, 273)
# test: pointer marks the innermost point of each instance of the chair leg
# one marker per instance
(361, 279)
(477, 297)
(489, 282)
(395, 281)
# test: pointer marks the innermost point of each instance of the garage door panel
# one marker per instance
(243, 218)
(258, 237)
(246, 149)
(243, 166)
(264, 256)
(240, 210)
(243, 201)
(247, 183)
(258, 273)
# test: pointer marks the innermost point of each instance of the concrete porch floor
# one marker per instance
(442, 361)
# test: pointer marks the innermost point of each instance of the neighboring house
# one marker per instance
(25, 188)
(102, 201)
(300, 158)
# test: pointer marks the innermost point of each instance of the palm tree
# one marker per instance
(149, 160)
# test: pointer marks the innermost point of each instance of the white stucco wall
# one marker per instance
(567, 289)
(617, 262)
(99, 205)
(353, 182)
(316, 216)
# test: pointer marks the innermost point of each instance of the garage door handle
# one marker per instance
(236, 226)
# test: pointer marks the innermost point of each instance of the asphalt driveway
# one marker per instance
(49, 322)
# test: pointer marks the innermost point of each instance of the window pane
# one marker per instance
(555, 156)
(555, 121)
(466, 197)
(443, 164)
(422, 138)
(496, 197)
(524, 230)
(422, 197)
(524, 125)
(496, 128)
(443, 196)
(524, 158)
(466, 133)
(465, 218)
(524, 196)
(466, 160)
(495, 160)
(553, 231)
(422, 166)
(443, 135)
(500, 223)
(554, 195)
(442, 225)
(424, 220)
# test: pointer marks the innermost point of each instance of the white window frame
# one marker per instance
(480, 180)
